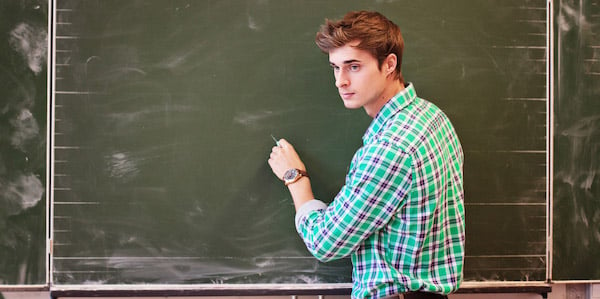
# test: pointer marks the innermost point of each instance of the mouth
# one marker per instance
(346, 95)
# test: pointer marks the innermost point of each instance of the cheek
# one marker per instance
(378, 79)
(367, 80)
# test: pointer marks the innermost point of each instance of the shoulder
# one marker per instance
(412, 125)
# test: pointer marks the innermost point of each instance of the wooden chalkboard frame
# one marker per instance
(276, 290)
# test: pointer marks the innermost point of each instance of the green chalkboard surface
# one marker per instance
(576, 245)
(23, 115)
(164, 111)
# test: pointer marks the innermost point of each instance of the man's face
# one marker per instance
(358, 78)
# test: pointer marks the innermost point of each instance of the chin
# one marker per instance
(351, 105)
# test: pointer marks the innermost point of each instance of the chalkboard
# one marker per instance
(164, 111)
(23, 117)
(576, 234)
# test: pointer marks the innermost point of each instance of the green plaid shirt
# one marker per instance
(400, 214)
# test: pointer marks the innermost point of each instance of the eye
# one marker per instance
(335, 68)
(354, 67)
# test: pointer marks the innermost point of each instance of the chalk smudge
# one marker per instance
(119, 165)
(26, 128)
(21, 193)
(31, 43)
(254, 119)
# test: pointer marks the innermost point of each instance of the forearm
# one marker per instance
(301, 192)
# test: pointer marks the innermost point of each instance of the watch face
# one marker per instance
(290, 174)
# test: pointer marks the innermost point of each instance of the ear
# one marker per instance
(389, 64)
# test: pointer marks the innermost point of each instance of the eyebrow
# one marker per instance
(346, 61)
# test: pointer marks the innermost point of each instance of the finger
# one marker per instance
(284, 143)
(276, 150)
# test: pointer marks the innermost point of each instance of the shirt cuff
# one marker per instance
(308, 207)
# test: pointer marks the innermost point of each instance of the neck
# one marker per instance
(391, 90)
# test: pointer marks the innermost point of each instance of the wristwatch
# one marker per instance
(293, 175)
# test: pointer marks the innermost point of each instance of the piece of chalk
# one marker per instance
(275, 139)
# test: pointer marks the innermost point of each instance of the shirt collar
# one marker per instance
(391, 108)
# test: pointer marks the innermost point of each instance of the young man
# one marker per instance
(400, 214)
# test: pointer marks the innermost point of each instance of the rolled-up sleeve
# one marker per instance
(305, 209)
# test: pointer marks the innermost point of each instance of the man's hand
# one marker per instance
(284, 157)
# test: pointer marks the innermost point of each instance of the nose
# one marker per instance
(341, 79)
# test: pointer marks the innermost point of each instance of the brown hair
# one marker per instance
(377, 35)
